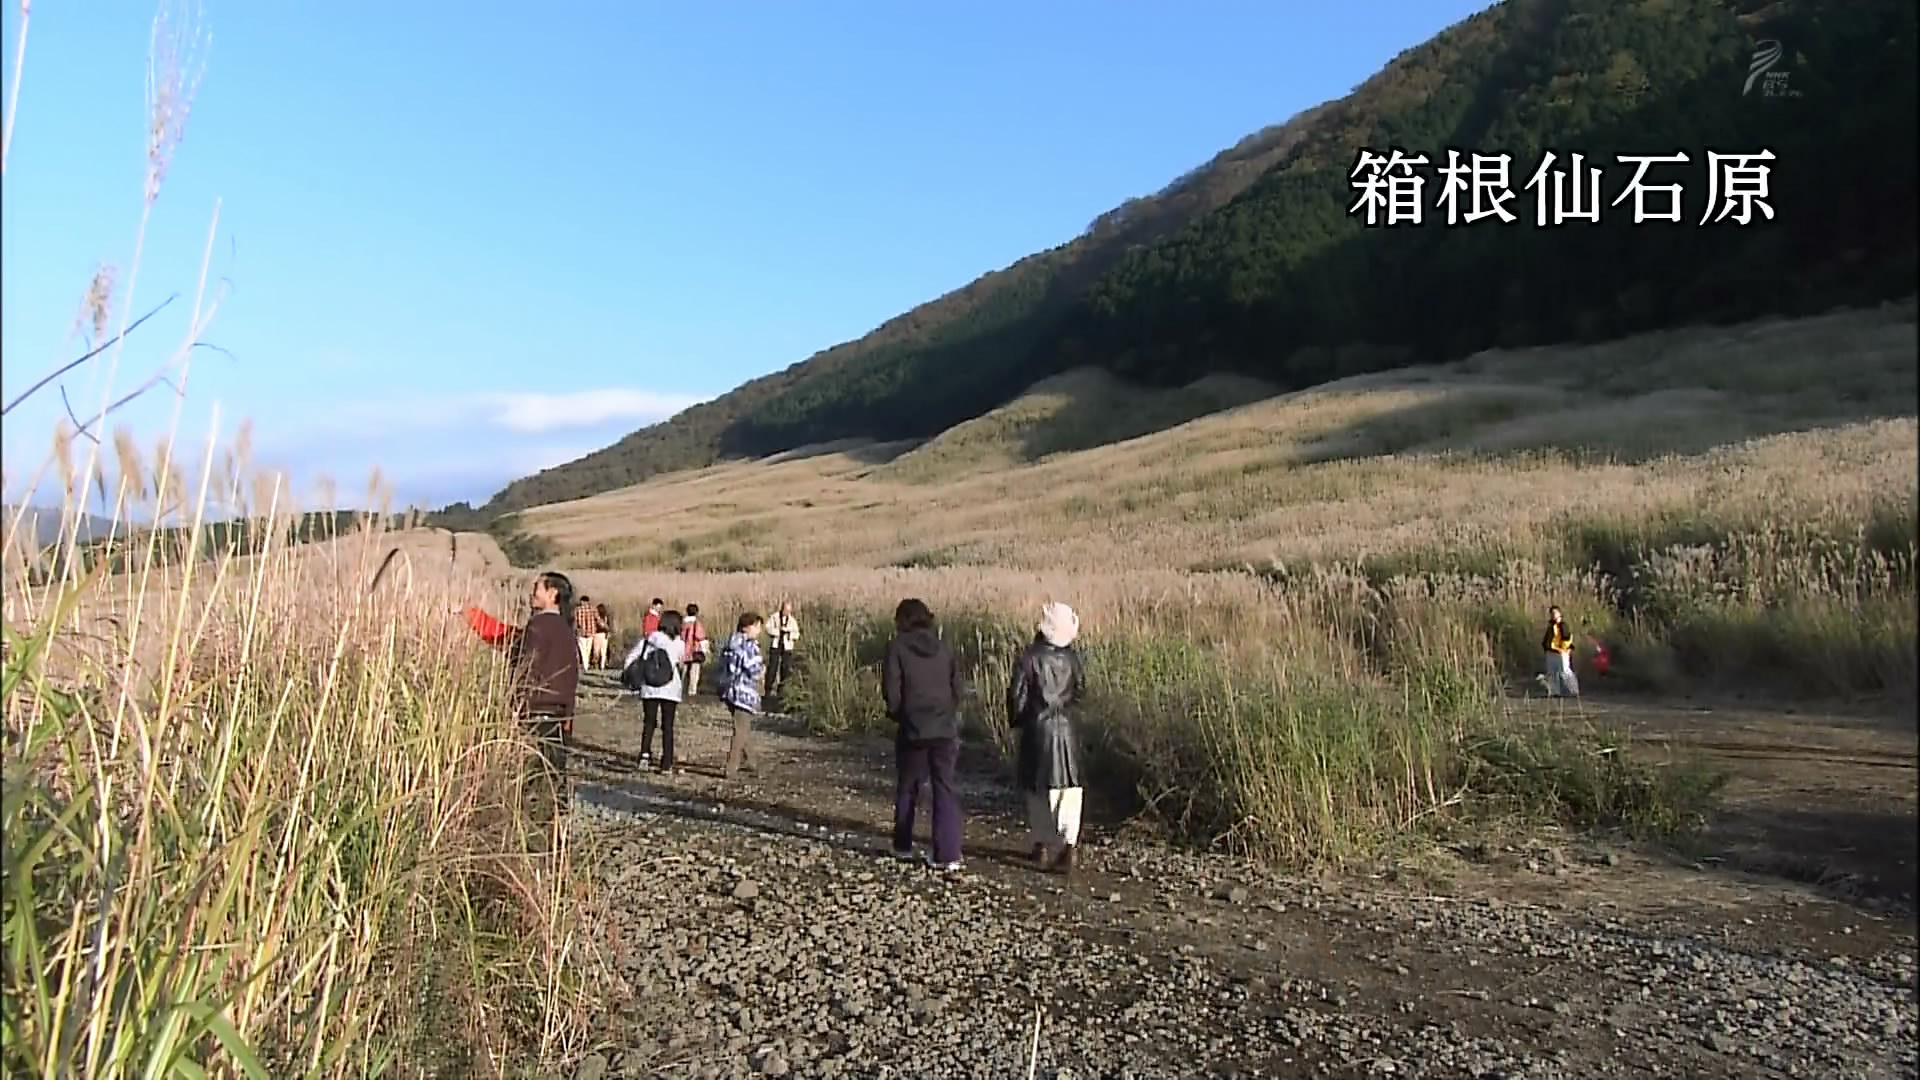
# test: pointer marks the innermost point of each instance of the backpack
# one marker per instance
(652, 668)
(733, 663)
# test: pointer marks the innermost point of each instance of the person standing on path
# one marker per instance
(604, 639)
(659, 703)
(545, 654)
(587, 629)
(651, 621)
(741, 666)
(920, 681)
(693, 638)
(1047, 683)
(1557, 643)
(783, 637)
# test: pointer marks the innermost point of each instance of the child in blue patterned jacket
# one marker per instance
(740, 668)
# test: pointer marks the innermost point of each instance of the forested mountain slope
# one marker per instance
(1252, 264)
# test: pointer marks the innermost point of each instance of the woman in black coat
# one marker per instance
(1047, 682)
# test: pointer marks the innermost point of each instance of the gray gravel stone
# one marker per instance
(866, 967)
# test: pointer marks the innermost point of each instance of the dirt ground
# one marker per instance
(1811, 860)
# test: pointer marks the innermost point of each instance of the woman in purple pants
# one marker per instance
(921, 682)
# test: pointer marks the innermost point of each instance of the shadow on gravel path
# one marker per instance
(855, 836)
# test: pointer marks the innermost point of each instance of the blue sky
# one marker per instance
(466, 241)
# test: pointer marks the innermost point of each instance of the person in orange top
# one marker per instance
(1602, 662)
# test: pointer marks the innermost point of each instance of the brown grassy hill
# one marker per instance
(1484, 454)
(1078, 410)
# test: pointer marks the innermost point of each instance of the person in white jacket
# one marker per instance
(783, 640)
(658, 703)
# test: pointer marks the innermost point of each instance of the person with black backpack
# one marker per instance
(653, 669)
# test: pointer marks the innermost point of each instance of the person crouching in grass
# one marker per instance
(547, 656)
(920, 680)
(741, 666)
(1047, 683)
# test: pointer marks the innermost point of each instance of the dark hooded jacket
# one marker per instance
(1047, 682)
(921, 683)
(551, 658)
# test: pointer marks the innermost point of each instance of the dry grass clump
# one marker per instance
(1318, 710)
(1350, 730)
(262, 817)
(257, 827)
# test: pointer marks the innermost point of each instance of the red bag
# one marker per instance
(1601, 661)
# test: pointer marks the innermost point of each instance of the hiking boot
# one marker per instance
(1064, 864)
(943, 867)
(903, 854)
(1038, 856)
(646, 761)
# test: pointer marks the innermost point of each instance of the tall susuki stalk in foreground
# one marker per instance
(270, 827)
(259, 818)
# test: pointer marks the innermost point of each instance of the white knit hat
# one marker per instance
(1058, 624)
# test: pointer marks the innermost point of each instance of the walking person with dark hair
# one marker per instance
(651, 620)
(602, 641)
(694, 651)
(657, 660)
(586, 624)
(920, 680)
(546, 656)
(1557, 644)
(740, 669)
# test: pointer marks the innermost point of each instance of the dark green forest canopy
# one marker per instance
(1252, 263)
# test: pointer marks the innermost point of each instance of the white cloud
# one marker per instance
(531, 414)
(520, 413)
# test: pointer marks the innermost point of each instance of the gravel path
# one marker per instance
(767, 932)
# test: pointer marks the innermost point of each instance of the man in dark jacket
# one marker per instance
(546, 656)
(921, 683)
(1048, 680)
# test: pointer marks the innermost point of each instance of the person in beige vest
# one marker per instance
(783, 640)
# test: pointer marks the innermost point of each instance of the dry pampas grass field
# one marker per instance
(267, 813)
(1329, 598)
(1790, 420)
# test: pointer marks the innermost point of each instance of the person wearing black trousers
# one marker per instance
(920, 680)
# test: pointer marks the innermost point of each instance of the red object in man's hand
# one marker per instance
(1601, 661)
